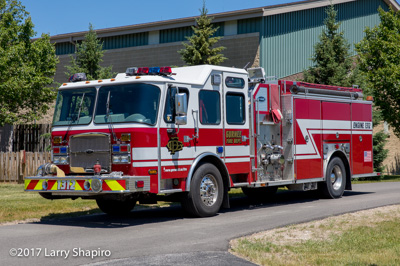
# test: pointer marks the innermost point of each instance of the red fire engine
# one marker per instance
(196, 132)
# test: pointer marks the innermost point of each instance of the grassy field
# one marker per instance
(18, 205)
(370, 237)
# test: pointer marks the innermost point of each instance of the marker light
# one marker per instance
(63, 149)
(56, 150)
(57, 140)
(116, 148)
(125, 137)
(124, 148)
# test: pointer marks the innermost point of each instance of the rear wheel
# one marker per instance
(260, 193)
(335, 182)
(116, 207)
(206, 192)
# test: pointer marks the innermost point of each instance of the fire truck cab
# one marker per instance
(196, 132)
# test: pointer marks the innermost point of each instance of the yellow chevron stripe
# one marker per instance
(39, 185)
(114, 185)
(77, 186)
(27, 183)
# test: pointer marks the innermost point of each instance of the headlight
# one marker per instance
(116, 159)
(125, 159)
(60, 159)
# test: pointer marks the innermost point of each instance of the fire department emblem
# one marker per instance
(174, 145)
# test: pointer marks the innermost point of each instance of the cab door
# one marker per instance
(236, 127)
(176, 154)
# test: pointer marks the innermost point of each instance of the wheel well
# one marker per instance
(224, 174)
(221, 167)
(346, 166)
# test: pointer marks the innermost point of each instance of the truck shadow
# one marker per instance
(167, 214)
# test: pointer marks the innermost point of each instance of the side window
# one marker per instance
(232, 82)
(169, 113)
(235, 109)
(209, 106)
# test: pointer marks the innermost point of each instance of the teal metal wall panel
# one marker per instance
(127, 40)
(249, 25)
(287, 40)
(180, 34)
(65, 48)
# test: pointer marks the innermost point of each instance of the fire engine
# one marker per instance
(194, 133)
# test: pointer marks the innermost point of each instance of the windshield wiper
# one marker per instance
(110, 125)
(73, 119)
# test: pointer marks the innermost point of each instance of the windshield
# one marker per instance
(136, 103)
(74, 107)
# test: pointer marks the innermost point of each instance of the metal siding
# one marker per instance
(287, 40)
(65, 48)
(248, 25)
(180, 34)
(127, 40)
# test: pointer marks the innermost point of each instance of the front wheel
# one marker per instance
(116, 207)
(335, 182)
(206, 192)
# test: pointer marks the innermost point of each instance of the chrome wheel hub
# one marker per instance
(208, 190)
(336, 177)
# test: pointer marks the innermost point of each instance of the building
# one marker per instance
(279, 38)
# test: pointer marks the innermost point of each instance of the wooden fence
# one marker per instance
(30, 137)
(15, 165)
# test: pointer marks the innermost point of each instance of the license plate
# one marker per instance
(66, 185)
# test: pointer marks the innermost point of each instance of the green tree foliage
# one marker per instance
(332, 62)
(27, 67)
(380, 61)
(379, 151)
(200, 49)
(88, 58)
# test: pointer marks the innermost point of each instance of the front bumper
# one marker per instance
(87, 185)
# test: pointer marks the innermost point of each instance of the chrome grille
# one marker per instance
(86, 149)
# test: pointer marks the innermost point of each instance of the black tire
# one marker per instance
(260, 193)
(335, 182)
(206, 192)
(116, 207)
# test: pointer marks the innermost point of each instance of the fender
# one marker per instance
(197, 161)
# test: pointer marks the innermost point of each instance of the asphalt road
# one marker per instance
(166, 236)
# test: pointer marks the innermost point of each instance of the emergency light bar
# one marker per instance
(77, 77)
(139, 71)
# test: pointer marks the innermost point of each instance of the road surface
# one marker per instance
(165, 236)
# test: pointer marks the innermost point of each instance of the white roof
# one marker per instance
(195, 75)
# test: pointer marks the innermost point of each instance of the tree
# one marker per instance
(379, 59)
(333, 64)
(199, 50)
(27, 67)
(88, 58)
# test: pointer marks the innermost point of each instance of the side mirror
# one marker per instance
(181, 104)
(181, 109)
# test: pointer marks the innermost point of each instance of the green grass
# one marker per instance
(353, 240)
(385, 178)
(17, 205)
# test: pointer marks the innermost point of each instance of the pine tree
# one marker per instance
(88, 58)
(332, 62)
(200, 49)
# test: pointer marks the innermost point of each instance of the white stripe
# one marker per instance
(237, 160)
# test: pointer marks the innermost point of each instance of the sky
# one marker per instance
(58, 17)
